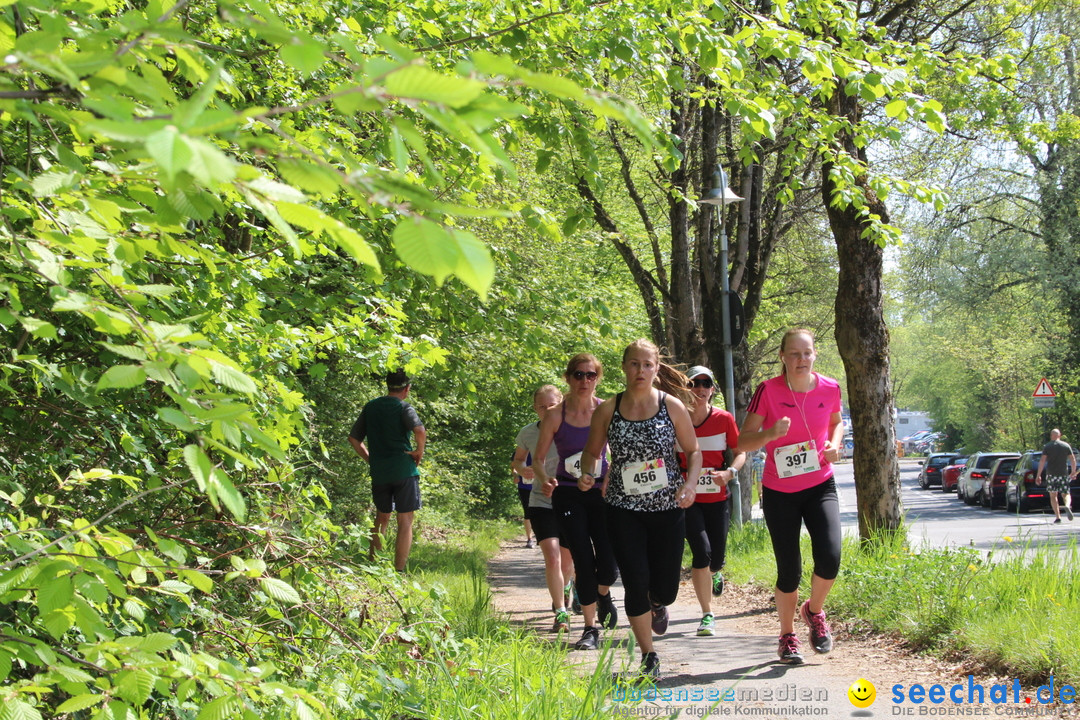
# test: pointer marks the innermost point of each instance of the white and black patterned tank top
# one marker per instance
(633, 442)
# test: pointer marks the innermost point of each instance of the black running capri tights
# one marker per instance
(648, 547)
(819, 508)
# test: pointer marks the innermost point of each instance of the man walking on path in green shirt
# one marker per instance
(1055, 455)
(381, 436)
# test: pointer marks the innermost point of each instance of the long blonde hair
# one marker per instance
(668, 379)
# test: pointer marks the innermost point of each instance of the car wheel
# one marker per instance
(944, 487)
(984, 499)
(1010, 506)
(1023, 505)
(971, 500)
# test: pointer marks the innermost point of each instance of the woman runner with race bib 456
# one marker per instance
(796, 416)
(646, 493)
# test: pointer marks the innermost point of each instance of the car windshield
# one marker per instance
(1007, 466)
(939, 461)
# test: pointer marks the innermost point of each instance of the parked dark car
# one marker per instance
(932, 467)
(969, 487)
(993, 488)
(1021, 492)
(950, 474)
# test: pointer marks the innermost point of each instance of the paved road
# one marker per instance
(939, 519)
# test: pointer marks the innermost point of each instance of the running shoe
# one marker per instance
(659, 619)
(717, 584)
(820, 636)
(1068, 512)
(789, 649)
(707, 626)
(529, 544)
(1058, 521)
(590, 639)
(605, 608)
(650, 667)
(562, 621)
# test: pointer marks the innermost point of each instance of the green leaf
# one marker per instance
(156, 642)
(177, 419)
(475, 266)
(305, 55)
(232, 378)
(79, 702)
(224, 708)
(39, 328)
(55, 594)
(351, 242)
(897, 109)
(57, 623)
(228, 494)
(199, 465)
(208, 164)
(15, 709)
(198, 580)
(426, 247)
(134, 686)
(422, 83)
(169, 149)
(280, 590)
(122, 376)
(309, 177)
(557, 86)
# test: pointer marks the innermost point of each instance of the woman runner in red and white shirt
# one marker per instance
(708, 519)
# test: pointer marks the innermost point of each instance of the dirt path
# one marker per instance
(735, 672)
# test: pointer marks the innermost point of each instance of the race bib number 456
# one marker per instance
(642, 478)
(796, 459)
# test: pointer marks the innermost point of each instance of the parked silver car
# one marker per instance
(969, 487)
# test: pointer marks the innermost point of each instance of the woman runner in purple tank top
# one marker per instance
(582, 515)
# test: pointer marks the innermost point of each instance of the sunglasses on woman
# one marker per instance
(585, 374)
(701, 382)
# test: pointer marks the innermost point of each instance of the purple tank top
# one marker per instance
(569, 442)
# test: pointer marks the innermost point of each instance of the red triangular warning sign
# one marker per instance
(1044, 390)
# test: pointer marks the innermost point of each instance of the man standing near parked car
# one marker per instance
(381, 436)
(1057, 458)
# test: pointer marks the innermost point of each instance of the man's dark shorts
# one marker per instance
(401, 496)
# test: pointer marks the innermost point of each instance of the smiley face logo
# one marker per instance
(862, 693)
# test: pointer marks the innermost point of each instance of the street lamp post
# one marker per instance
(719, 196)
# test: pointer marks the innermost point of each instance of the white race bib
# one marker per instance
(642, 478)
(706, 484)
(796, 459)
(573, 465)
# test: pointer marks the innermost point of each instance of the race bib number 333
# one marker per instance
(706, 485)
(641, 478)
(796, 459)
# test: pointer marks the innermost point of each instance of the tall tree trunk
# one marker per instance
(863, 341)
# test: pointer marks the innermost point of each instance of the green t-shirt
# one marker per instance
(386, 424)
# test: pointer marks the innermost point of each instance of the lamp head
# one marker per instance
(720, 194)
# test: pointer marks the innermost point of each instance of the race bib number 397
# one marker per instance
(796, 459)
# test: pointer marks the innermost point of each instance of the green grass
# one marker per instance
(480, 665)
(1014, 612)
